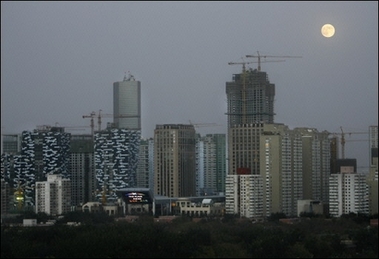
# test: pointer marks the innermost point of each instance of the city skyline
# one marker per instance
(60, 60)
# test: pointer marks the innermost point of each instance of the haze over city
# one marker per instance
(59, 61)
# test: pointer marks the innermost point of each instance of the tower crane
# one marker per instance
(343, 140)
(102, 115)
(244, 82)
(267, 56)
(92, 116)
(196, 125)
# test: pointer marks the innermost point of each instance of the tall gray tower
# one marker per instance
(127, 104)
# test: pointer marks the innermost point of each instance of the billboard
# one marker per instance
(137, 197)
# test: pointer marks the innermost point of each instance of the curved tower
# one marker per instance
(127, 104)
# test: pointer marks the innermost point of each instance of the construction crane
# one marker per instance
(244, 82)
(267, 56)
(92, 116)
(101, 115)
(70, 128)
(197, 125)
(343, 139)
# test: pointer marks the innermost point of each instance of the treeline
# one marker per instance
(212, 238)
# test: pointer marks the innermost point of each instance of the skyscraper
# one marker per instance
(270, 166)
(250, 98)
(373, 174)
(250, 104)
(175, 160)
(211, 163)
(44, 151)
(145, 170)
(127, 104)
(116, 159)
(82, 169)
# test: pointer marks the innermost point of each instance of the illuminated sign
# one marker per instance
(137, 197)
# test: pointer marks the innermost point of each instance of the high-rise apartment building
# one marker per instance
(53, 196)
(11, 143)
(82, 169)
(348, 193)
(281, 169)
(211, 163)
(373, 145)
(372, 179)
(270, 166)
(175, 160)
(127, 104)
(250, 104)
(5, 200)
(316, 164)
(145, 169)
(43, 151)
(116, 159)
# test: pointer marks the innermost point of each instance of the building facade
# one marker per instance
(250, 98)
(211, 163)
(116, 160)
(44, 151)
(127, 104)
(270, 166)
(11, 143)
(82, 169)
(145, 170)
(348, 193)
(281, 169)
(373, 173)
(53, 196)
(316, 164)
(175, 160)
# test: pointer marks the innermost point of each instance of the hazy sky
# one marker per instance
(59, 61)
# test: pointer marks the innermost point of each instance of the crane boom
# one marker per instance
(343, 140)
(268, 56)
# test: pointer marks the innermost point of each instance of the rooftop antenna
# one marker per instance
(131, 77)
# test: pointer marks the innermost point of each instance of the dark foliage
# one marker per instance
(182, 238)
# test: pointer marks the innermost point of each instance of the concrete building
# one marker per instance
(145, 169)
(211, 163)
(348, 193)
(116, 160)
(44, 150)
(175, 160)
(53, 196)
(270, 166)
(316, 164)
(11, 143)
(127, 104)
(250, 98)
(281, 164)
(372, 179)
(5, 198)
(82, 169)
(250, 104)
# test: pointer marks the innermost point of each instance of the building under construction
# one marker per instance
(250, 98)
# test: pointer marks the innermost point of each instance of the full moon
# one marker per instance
(328, 30)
